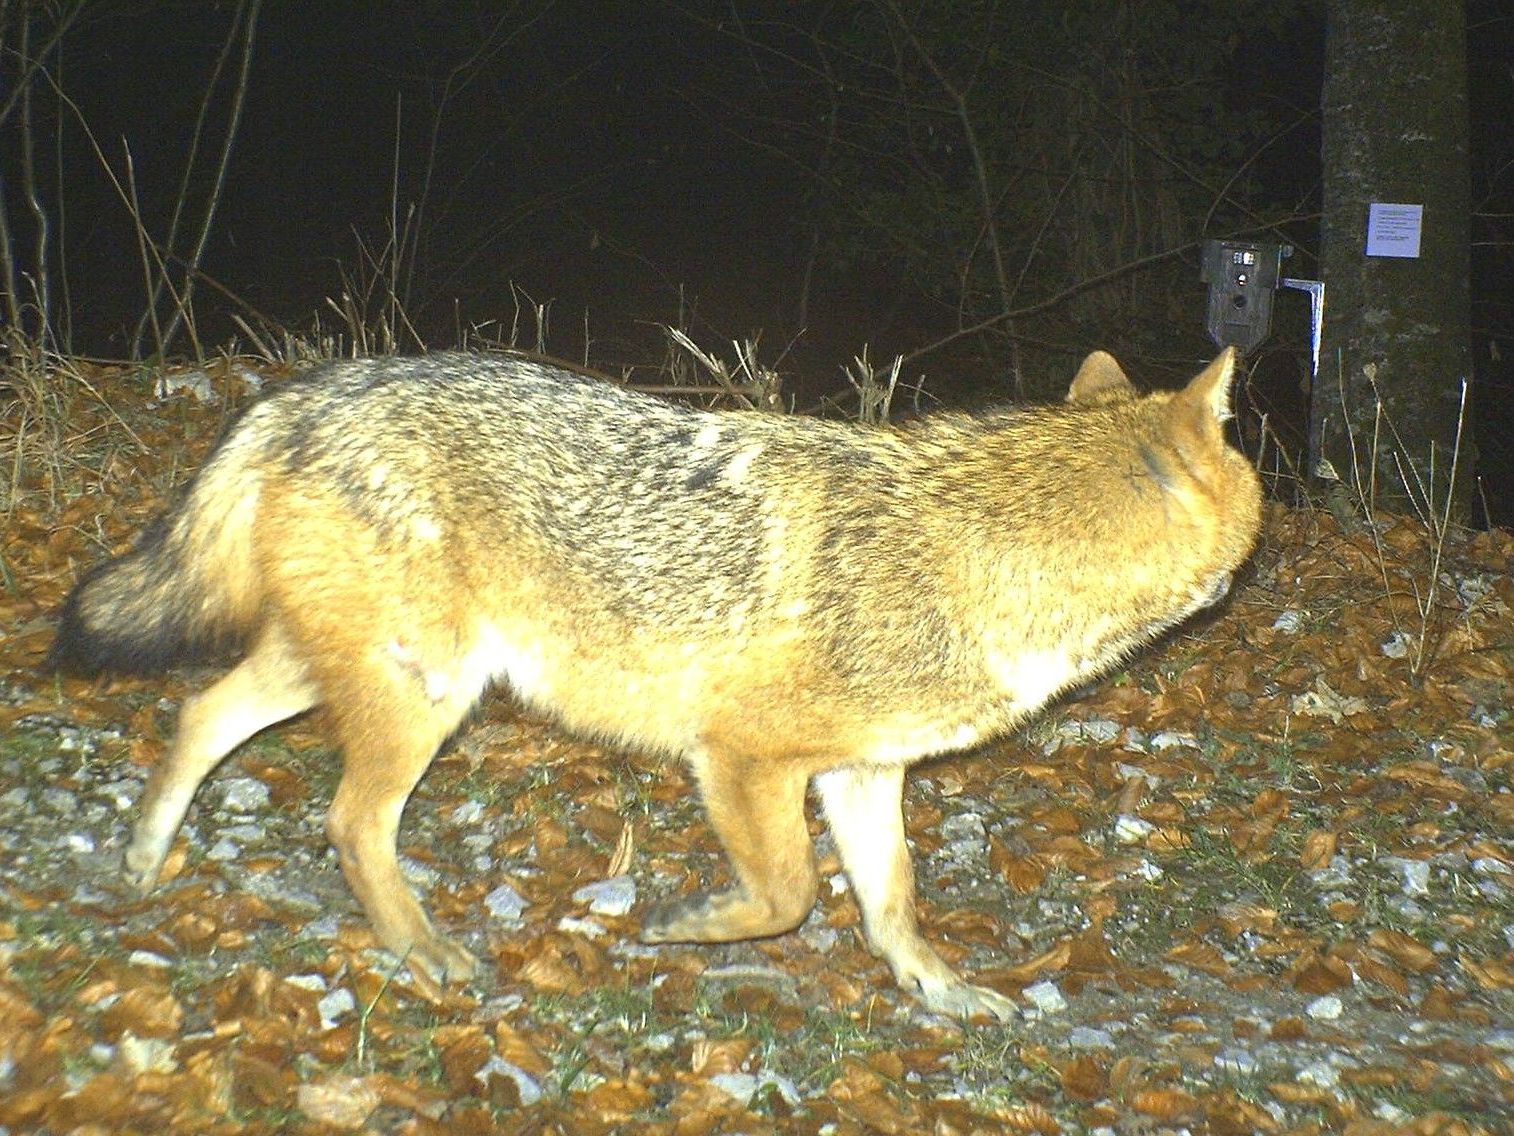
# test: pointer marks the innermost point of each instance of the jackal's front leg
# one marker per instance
(863, 805)
(757, 810)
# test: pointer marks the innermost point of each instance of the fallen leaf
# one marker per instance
(1318, 850)
(342, 1102)
(1404, 949)
(1083, 1079)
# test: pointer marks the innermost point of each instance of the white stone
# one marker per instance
(614, 896)
(1325, 1009)
(504, 902)
(1046, 997)
(1132, 829)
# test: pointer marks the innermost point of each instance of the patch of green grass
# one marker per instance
(1201, 877)
(1281, 758)
(37, 972)
(810, 1056)
(626, 1014)
(636, 790)
(1218, 871)
(320, 766)
(481, 786)
(1173, 663)
(1436, 1099)
(268, 1118)
(991, 1064)
(8, 577)
(27, 746)
(813, 1057)
(301, 953)
(526, 797)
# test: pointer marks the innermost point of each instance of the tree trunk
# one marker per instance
(1388, 399)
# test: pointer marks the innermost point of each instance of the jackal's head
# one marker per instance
(1179, 507)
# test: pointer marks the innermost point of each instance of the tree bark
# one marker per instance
(1388, 400)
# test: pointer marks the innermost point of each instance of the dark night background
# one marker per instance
(584, 166)
(645, 163)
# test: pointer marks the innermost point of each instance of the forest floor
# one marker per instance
(1260, 881)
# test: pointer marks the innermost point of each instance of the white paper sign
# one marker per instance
(1393, 230)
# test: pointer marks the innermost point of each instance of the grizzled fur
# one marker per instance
(781, 601)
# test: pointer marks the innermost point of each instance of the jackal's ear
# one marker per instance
(1210, 388)
(1099, 380)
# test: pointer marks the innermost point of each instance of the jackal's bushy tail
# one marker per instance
(189, 591)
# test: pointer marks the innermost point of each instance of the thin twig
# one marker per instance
(239, 100)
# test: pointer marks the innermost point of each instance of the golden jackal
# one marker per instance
(779, 600)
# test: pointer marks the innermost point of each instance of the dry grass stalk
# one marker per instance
(1423, 632)
(749, 384)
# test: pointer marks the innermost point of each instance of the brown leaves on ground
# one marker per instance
(1260, 883)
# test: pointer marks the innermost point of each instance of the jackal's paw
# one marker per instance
(964, 1000)
(711, 917)
(724, 916)
(436, 961)
(142, 865)
(686, 919)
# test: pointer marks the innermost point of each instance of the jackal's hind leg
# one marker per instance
(863, 805)
(266, 687)
(758, 813)
(390, 717)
